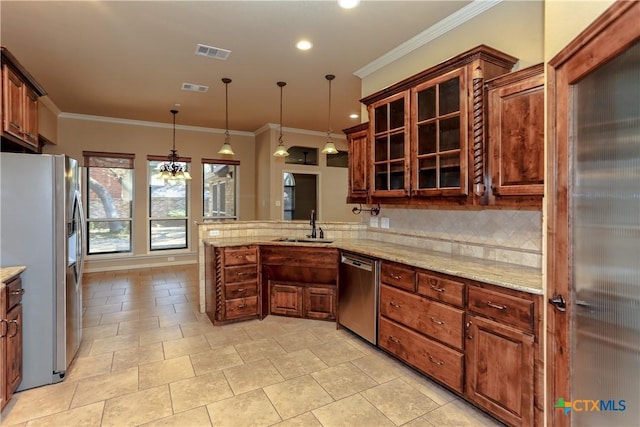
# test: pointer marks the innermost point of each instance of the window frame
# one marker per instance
(236, 188)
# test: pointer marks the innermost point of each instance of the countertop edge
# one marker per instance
(8, 273)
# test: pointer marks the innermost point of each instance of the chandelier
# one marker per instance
(172, 169)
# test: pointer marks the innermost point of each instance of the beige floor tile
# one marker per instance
(297, 396)
(249, 409)
(198, 391)
(198, 417)
(106, 386)
(197, 328)
(419, 422)
(227, 335)
(336, 352)
(85, 348)
(137, 408)
(141, 304)
(297, 340)
(166, 371)
(260, 349)
(185, 346)
(163, 310)
(102, 309)
(133, 357)
(128, 296)
(107, 293)
(343, 380)
(264, 329)
(297, 363)
(84, 367)
(177, 318)
(460, 414)
(38, 402)
(90, 319)
(352, 411)
(433, 391)
(90, 415)
(215, 360)
(327, 332)
(120, 316)
(399, 401)
(119, 342)
(90, 302)
(192, 305)
(378, 367)
(143, 324)
(252, 375)
(146, 292)
(161, 334)
(176, 299)
(305, 420)
(99, 331)
(168, 285)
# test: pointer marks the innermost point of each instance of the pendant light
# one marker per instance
(280, 150)
(226, 147)
(172, 169)
(329, 146)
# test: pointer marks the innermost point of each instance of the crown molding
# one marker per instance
(436, 30)
(275, 126)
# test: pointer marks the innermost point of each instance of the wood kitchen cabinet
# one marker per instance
(358, 140)
(10, 338)
(516, 138)
(20, 93)
(428, 131)
(231, 283)
(503, 373)
(300, 281)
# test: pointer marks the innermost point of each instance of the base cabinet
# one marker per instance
(286, 300)
(10, 339)
(319, 302)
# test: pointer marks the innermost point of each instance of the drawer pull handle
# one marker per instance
(241, 273)
(436, 288)
(242, 306)
(238, 256)
(496, 306)
(15, 322)
(395, 276)
(432, 360)
(438, 322)
(240, 290)
(394, 305)
(18, 292)
(395, 340)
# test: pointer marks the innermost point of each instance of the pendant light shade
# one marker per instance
(329, 146)
(172, 169)
(281, 151)
(226, 147)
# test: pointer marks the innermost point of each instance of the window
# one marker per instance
(338, 160)
(219, 186)
(302, 155)
(168, 208)
(109, 202)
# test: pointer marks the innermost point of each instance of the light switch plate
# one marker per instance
(373, 221)
(384, 222)
(277, 202)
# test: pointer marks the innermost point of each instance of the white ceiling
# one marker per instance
(128, 59)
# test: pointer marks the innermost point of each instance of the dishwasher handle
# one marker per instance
(358, 263)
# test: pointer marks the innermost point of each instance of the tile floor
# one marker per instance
(148, 357)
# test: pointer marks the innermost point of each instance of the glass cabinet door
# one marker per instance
(390, 151)
(439, 123)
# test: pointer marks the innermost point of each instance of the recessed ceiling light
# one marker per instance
(348, 4)
(304, 45)
(353, 116)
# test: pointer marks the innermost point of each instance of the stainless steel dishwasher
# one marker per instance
(358, 295)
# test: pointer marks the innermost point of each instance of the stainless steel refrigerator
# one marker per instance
(41, 227)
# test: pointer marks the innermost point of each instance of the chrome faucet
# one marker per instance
(313, 224)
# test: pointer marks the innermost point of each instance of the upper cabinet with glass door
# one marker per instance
(427, 132)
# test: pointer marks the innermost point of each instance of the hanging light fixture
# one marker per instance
(226, 147)
(329, 146)
(280, 150)
(172, 169)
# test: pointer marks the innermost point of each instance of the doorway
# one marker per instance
(300, 195)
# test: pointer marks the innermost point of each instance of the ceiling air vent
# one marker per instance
(212, 52)
(194, 88)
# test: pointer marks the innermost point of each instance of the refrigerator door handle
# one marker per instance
(80, 242)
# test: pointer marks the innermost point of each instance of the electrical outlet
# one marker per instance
(373, 221)
(214, 233)
(277, 202)
(384, 222)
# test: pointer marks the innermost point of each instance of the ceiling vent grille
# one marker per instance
(195, 88)
(212, 52)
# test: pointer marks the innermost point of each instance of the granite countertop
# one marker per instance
(526, 279)
(8, 273)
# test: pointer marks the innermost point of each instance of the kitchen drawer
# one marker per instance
(441, 289)
(434, 359)
(240, 273)
(241, 307)
(428, 317)
(398, 275)
(241, 290)
(501, 307)
(240, 255)
(14, 293)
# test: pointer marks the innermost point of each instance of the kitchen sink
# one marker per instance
(302, 240)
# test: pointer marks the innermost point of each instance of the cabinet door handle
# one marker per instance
(436, 288)
(15, 322)
(394, 305)
(395, 276)
(29, 135)
(438, 322)
(395, 340)
(496, 306)
(468, 327)
(18, 292)
(432, 360)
